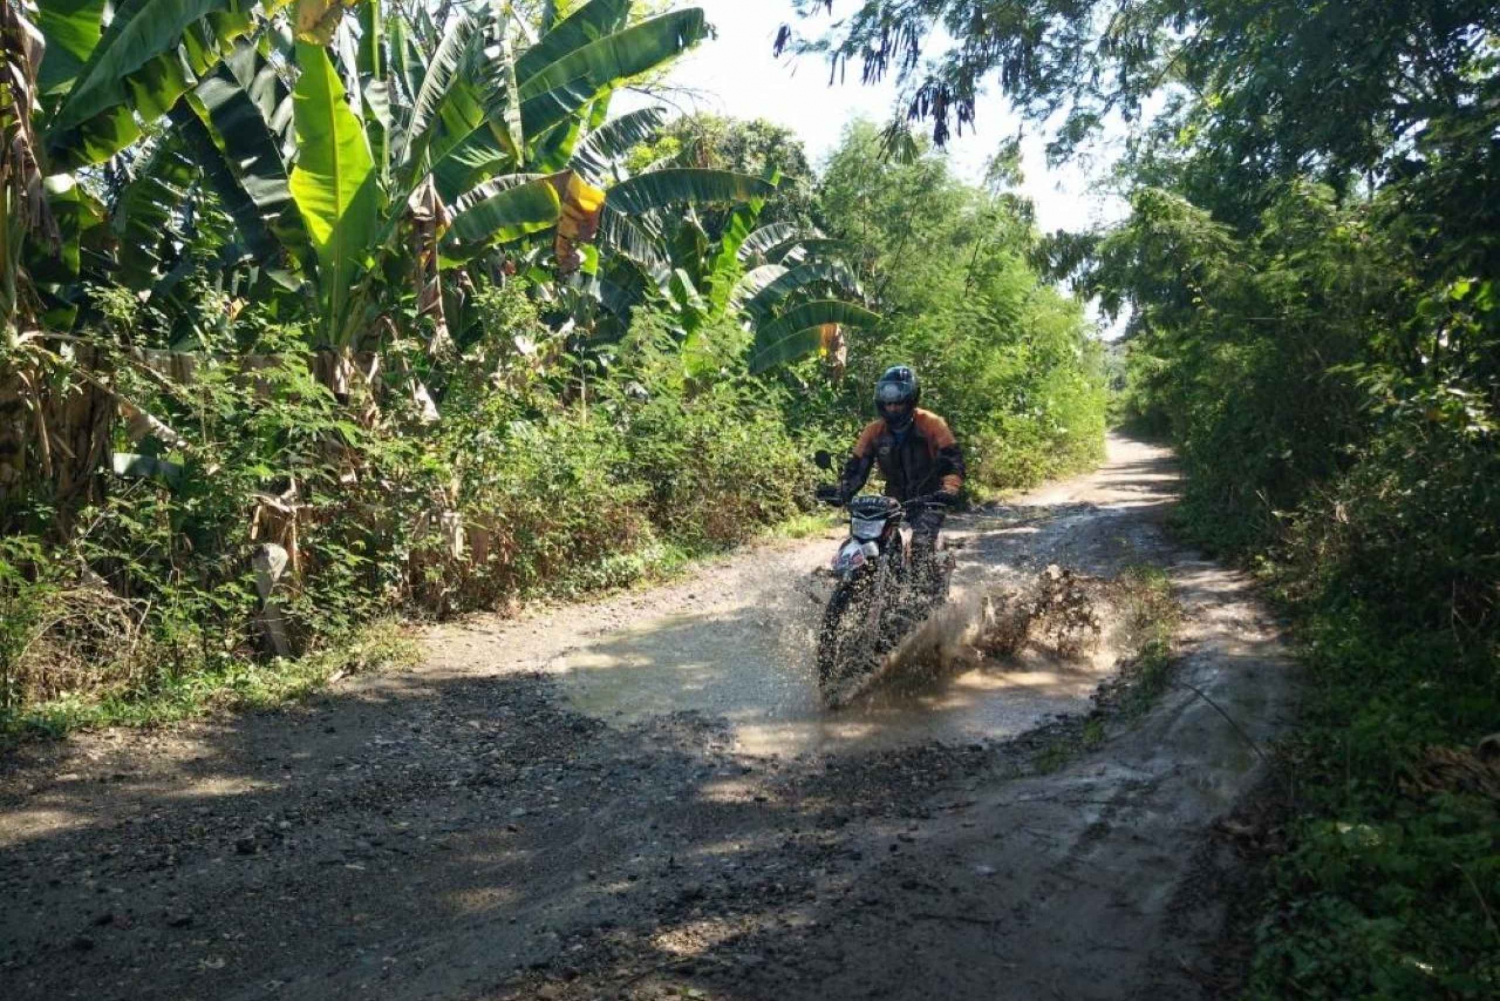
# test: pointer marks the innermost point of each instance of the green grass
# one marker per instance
(241, 684)
(806, 526)
(1390, 885)
(247, 684)
(1152, 616)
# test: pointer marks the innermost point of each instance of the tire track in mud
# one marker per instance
(466, 831)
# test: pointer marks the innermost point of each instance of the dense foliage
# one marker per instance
(1314, 274)
(316, 314)
(1008, 359)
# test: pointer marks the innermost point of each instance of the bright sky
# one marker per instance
(737, 75)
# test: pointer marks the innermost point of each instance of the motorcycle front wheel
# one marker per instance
(849, 634)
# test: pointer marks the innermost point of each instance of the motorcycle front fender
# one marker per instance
(854, 558)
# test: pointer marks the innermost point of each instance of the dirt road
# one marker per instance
(639, 798)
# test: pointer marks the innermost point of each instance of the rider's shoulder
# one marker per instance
(868, 437)
(928, 421)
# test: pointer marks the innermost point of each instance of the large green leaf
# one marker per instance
(144, 61)
(688, 245)
(145, 211)
(442, 71)
(72, 29)
(372, 40)
(633, 239)
(751, 284)
(502, 215)
(558, 107)
(679, 185)
(758, 245)
(56, 269)
(798, 333)
(621, 55)
(333, 182)
(470, 163)
(553, 151)
(481, 123)
(232, 103)
(261, 81)
(504, 64)
(796, 251)
(253, 228)
(813, 273)
(725, 266)
(406, 57)
(612, 140)
(589, 23)
(375, 88)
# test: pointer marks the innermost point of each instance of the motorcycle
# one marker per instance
(878, 597)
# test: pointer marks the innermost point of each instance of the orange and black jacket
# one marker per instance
(924, 461)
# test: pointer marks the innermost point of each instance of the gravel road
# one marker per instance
(640, 798)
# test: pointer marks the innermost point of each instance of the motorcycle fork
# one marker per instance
(896, 555)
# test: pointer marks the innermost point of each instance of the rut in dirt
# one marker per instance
(640, 798)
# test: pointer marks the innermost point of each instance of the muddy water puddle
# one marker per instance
(753, 666)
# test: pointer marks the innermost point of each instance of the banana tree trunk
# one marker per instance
(82, 419)
(55, 434)
(15, 417)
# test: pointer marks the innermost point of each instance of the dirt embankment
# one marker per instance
(640, 798)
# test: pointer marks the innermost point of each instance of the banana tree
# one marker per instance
(82, 81)
(85, 80)
(789, 288)
(785, 296)
(419, 150)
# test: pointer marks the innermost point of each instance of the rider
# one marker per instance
(917, 454)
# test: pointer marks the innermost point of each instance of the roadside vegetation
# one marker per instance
(319, 316)
(1314, 283)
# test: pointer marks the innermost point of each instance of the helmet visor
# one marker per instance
(891, 392)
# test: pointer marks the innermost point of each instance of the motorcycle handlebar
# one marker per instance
(831, 495)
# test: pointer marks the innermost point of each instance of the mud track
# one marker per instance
(639, 799)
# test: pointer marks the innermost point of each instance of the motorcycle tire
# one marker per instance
(846, 645)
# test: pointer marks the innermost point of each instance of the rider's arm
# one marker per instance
(950, 458)
(861, 461)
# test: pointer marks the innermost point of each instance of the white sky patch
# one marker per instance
(737, 75)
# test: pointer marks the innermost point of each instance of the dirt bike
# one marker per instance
(878, 597)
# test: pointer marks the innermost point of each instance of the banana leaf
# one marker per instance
(813, 273)
(758, 245)
(613, 140)
(589, 23)
(145, 211)
(442, 71)
(799, 332)
(333, 182)
(148, 57)
(661, 188)
(618, 56)
(244, 156)
(506, 215)
(72, 29)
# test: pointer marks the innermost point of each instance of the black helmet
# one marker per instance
(898, 385)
